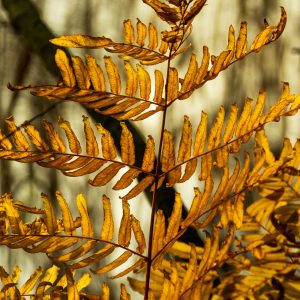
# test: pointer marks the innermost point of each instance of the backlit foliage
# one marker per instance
(250, 250)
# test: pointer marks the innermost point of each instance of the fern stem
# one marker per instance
(157, 171)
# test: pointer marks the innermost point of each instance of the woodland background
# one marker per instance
(277, 63)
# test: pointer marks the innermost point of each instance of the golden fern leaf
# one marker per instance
(196, 77)
(131, 48)
(58, 238)
(48, 284)
(223, 138)
(89, 88)
(54, 155)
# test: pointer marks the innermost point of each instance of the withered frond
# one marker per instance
(70, 240)
(30, 146)
(86, 84)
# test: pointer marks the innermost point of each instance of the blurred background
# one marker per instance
(27, 57)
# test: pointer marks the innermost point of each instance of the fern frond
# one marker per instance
(54, 155)
(86, 84)
(195, 268)
(223, 138)
(50, 284)
(132, 47)
(196, 77)
(58, 237)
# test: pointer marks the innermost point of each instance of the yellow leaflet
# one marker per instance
(220, 63)
(262, 141)
(206, 166)
(94, 258)
(195, 210)
(159, 86)
(65, 68)
(257, 112)
(84, 281)
(131, 79)
(149, 155)
(189, 77)
(175, 282)
(277, 110)
(51, 221)
(225, 213)
(159, 232)
(231, 122)
(86, 225)
(144, 82)
(91, 142)
(214, 248)
(172, 89)
(175, 218)
(139, 188)
(74, 143)
(16, 223)
(286, 150)
(166, 289)
(107, 231)
(81, 73)
(55, 140)
(163, 47)
(31, 282)
(48, 279)
(78, 252)
(95, 73)
(127, 145)
(239, 185)
(113, 75)
(105, 292)
(16, 274)
(133, 112)
(261, 39)
(141, 33)
(254, 175)
(128, 32)
(231, 38)
(191, 270)
(168, 152)
(67, 218)
(232, 179)
(36, 138)
(138, 234)
(241, 43)
(238, 212)
(184, 151)
(202, 71)
(225, 246)
(194, 10)
(124, 295)
(189, 170)
(216, 129)
(137, 264)
(295, 106)
(200, 137)
(207, 248)
(242, 124)
(216, 198)
(126, 179)
(72, 290)
(4, 141)
(81, 41)
(18, 137)
(107, 143)
(152, 37)
(124, 235)
(114, 264)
